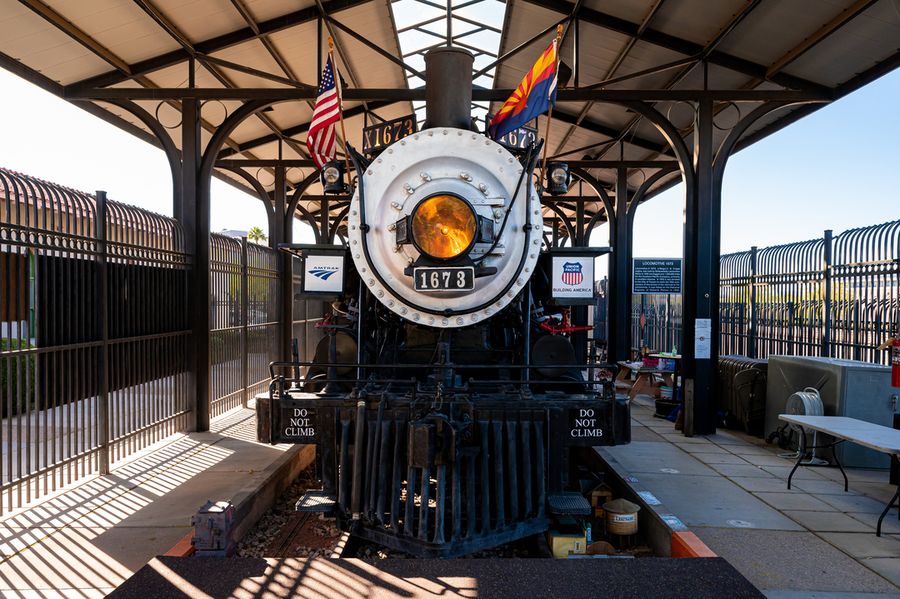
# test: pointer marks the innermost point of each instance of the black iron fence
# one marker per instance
(93, 335)
(656, 322)
(244, 315)
(95, 332)
(836, 296)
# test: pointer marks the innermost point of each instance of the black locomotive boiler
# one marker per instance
(447, 401)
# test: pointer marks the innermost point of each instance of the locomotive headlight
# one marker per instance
(558, 178)
(333, 177)
(444, 226)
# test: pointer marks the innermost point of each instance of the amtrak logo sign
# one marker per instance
(571, 274)
(324, 273)
(573, 278)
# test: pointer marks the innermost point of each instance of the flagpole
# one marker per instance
(559, 29)
(337, 86)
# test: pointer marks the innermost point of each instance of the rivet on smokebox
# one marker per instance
(621, 517)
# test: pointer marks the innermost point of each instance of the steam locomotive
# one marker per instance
(446, 401)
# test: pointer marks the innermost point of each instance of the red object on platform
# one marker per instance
(895, 362)
(564, 326)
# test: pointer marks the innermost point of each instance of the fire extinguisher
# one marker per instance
(895, 361)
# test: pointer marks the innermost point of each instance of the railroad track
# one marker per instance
(304, 534)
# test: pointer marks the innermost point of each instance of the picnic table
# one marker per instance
(874, 436)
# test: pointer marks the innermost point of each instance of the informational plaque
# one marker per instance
(656, 276)
(702, 338)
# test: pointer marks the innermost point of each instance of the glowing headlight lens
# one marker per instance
(443, 226)
(331, 174)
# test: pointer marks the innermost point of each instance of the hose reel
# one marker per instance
(805, 403)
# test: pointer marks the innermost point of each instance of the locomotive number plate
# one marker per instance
(444, 279)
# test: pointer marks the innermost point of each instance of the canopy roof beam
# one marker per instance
(219, 42)
(823, 32)
(264, 38)
(611, 71)
(707, 50)
(175, 33)
(295, 130)
(479, 94)
(99, 50)
(677, 44)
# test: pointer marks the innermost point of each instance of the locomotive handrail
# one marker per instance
(282, 364)
(526, 167)
(516, 390)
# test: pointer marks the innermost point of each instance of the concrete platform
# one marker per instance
(88, 538)
(243, 578)
(730, 489)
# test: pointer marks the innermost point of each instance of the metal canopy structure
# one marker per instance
(660, 91)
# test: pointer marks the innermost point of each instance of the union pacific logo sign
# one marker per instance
(571, 274)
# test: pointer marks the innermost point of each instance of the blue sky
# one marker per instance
(838, 169)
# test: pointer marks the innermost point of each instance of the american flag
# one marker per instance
(327, 112)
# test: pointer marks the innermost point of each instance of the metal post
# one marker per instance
(670, 328)
(195, 221)
(702, 291)
(752, 332)
(245, 325)
(103, 308)
(620, 275)
(576, 65)
(579, 313)
(526, 373)
(645, 338)
(324, 219)
(826, 316)
(284, 227)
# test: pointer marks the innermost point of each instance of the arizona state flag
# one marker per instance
(534, 96)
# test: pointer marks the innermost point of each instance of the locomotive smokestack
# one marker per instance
(448, 88)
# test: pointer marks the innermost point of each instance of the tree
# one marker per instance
(256, 235)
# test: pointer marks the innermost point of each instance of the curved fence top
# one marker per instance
(29, 203)
(872, 244)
